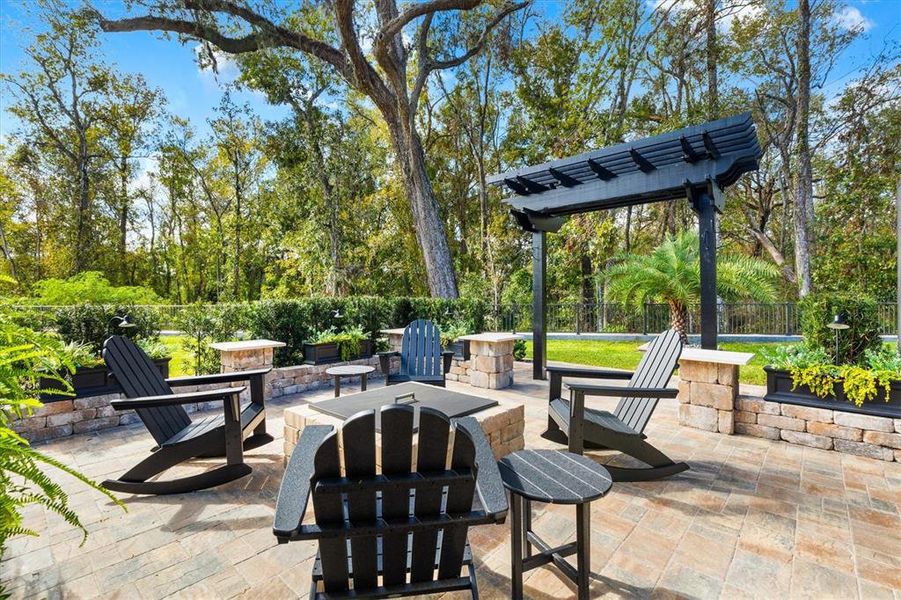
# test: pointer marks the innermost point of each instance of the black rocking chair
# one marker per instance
(378, 509)
(421, 357)
(569, 422)
(178, 437)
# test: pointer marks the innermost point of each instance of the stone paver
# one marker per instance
(752, 518)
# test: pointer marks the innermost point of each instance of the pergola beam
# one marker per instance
(695, 162)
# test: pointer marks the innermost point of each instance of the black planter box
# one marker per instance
(323, 354)
(92, 381)
(460, 349)
(779, 389)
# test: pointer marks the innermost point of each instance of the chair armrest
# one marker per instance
(294, 491)
(489, 485)
(557, 373)
(590, 389)
(447, 357)
(217, 377)
(588, 372)
(174, 399)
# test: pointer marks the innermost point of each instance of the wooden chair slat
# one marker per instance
(434, 428)
(397, 458)
(329, 509)
(459, 500)
(654, 370)
(358, 437)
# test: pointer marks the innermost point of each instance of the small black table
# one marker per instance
(349, 371)
(553, 477)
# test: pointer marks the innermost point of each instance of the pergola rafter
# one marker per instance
(696, 163)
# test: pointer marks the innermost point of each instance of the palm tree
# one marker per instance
(672, 274)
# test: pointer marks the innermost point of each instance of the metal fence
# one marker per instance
(734, 318)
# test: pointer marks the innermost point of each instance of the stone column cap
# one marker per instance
(395, 331)
(720, 357)
(246, 345)
(491, 337)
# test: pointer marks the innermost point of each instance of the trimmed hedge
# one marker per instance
(818, 310)
(91, 323)
(295, 321)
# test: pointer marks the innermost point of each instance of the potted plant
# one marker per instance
(91, 377)
(327, 346)
(806, 376)
(450, 340)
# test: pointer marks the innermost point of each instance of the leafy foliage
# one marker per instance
(671, 273)
(205, 324)
(90, 287)
(26, 357)
(91, 324)
(860, 312)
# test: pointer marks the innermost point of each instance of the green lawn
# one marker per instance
(625, 355)
(182, 362)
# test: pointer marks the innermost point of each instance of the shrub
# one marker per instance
(91, 324)
(205, 324)
(90, 287)
(519, 349)
(297, 321)
(818, 310)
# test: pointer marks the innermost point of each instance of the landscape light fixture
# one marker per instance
(122, 322)
(838, 325)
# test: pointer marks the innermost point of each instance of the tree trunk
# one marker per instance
(678, 316)
(83, 217)
(713, 97)
(804, 185)
(123, 220)
(429, 227)
(236, 287)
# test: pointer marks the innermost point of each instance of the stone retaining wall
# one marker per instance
(863, 435)
(85, 415)
(285, 381)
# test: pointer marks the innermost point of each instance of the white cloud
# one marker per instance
(851, 19)
(226, 69)
(728, 12)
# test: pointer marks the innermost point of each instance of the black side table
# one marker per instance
(554, 477)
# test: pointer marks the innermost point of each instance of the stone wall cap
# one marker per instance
(395, 331)
(246, 345)
(720, 357)
(491, 337)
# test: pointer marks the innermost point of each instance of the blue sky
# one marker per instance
(193, 93)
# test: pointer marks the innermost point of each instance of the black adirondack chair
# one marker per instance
(377, 509)
(421, 357)
(178, 437)
(570, 422)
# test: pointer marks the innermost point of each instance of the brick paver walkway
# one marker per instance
(752, 518)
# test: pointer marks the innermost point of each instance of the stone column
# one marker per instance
(707, 393)
(491, 359)
(246, 356)
(708, 387)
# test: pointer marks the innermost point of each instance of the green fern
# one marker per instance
(26, 358)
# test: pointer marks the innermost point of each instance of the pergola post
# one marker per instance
(539, 305)
(705, 206)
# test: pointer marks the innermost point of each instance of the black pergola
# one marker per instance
(696, 163)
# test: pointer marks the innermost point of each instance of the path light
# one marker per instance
(122, 322)
(838, 324)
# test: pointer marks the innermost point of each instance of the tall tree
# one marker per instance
(59, 102)
(388, 84)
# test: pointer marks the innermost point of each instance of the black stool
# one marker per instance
(553, 477)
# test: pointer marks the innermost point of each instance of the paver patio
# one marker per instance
(752, 518)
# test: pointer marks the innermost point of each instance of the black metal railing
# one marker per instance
(734, 318)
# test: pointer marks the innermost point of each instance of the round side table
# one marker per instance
(349, 371)
(554, 477)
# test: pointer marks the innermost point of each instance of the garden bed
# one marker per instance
(92, 381)
(779, 386)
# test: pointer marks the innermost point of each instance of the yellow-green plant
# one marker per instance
(821, 379)
(27, 356)
(863, 385)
